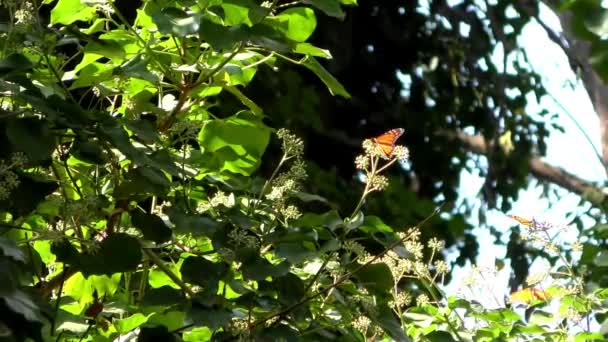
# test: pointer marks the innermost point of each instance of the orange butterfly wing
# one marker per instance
(522, 220)
(387, 140)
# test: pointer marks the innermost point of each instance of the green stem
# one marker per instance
(370, 175)
(267, 183)
(158, 262)
(431, 288)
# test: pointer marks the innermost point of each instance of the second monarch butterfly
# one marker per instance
(387, 140)
(524, 221)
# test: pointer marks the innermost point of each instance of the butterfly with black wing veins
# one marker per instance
(386, 141)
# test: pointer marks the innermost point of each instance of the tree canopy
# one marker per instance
(204, 170)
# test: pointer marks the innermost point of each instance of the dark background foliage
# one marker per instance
(451, 84)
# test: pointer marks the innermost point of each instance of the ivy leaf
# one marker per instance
(27, 195)
(65, 252)
(111, 131)
(196, 224)
(129, 323)
(221, 37)
(294, 252)
(330, 219)
(240, 140)
(330, 7)
(142, 182)
(334, 86)
(14, 62)
(377, 278)
(176, 22)
(88, 151)
(152, 226)
(297, 23)
(385, 318)
(69, 11)
(10, 249)
(200, 271)
(32, 137)
(258, 268)
(120, 252)
(211, 318)
(162, 296)
(20, 302)
(290, 288)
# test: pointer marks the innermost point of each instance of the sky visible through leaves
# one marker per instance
(569, 150)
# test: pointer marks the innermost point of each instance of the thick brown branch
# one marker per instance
(545, 172)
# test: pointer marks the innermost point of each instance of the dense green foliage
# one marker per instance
(146, 189)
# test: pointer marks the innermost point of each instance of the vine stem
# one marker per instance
(366, 191)
(267, 183)
(431, 289)
(158, 262)
(342, 278)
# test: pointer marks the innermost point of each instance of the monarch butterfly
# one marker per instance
(529, 295)
(524, 221)
(387, 140)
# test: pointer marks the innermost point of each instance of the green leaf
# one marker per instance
(290, 288)
(14, 62)
(196, 224)
(69, 11)
(589, 336)
(330, 219)
(297, 23)
(111, 131)
(221, 37)
(200, 271)
(20, 302)
(162, 296)
(440, 336)
(385, 318)
(240, 140)
(88, 151)
(329, 7)
(335, 88)
(143, 130)
(176, 22)
(308, 49)
(152, 226)
(132, 322)
(258, 268)
(173, 320)
(27, 195)
(142, 182)
(10, 249)
(198, 334)
(355, 222)
(119, 252)
(32, 137)
(127, 259)
(377, 278)
(65, 251)
(211, 318)
(158, 278)
(294, 252)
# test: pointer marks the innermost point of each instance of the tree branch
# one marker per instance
(545, 172)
